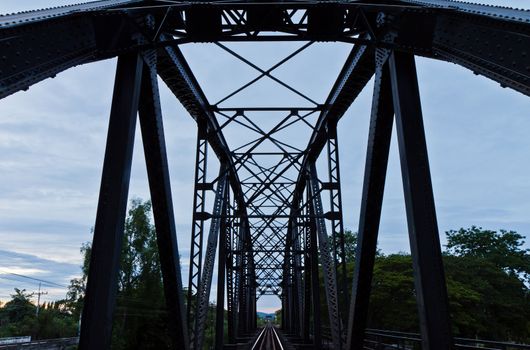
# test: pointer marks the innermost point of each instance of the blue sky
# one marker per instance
(52, 141)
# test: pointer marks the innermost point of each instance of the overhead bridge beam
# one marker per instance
(176, 73)
(37, 45)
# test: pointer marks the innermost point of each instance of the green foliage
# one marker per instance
(140, 317)
(278, 314)
(393, 301)
(140, 314)
(19, 307)
(487, 274)
(77, 287)
(350, 245)
(485, 301)
(18, 318)
(487, 283)
(502, 248)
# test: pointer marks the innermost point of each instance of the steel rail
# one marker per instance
(267, 339)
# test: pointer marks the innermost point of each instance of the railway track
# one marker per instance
(268, 339)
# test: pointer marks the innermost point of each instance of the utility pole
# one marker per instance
(39, 293)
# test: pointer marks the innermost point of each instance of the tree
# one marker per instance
(501, 248)
(19, 306)
(393, 298)
(350, 245)
(486, 302)
(77, 288)
(140, 314)
(488, 276)
(18, 318)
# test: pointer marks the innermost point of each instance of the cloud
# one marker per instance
(26, 271)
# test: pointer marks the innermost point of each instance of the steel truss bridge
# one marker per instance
(269, 221)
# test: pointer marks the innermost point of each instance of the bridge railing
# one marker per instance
(377, 339)
(49, 344)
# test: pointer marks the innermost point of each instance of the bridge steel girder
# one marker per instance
(205, 284)
(231, 296)
(329, 271)
(152, 129)
(74, 35)
(488, 40)
(312, 255)
(197, 229)
(379, 137)
(224, 238)
(357, 71)
(102, 282)
(429, 279)
(336, 220)
(176, 73)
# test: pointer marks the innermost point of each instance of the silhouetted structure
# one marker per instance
(268, 219)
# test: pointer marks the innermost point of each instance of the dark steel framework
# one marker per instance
(268, 222)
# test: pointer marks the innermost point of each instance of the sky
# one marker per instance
(52, 140)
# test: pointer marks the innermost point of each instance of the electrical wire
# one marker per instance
(3, 272)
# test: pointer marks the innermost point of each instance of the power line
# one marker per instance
(27, 284)
(19, 281)
(33, 278)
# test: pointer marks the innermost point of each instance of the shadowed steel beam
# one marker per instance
(429, 276)
(372, 199)
(298, 287)
(174, 70)
(306, 307)
(337, 225)
(150, 114)
(224, 236)
(197, 229)
(203, 294)
(357, 71)
(328, 266)
(493, 41)
(230, 248)
(72, 40)
(314, 286)
(355, 74)
(96, 325)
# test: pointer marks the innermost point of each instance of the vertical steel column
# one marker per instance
(241, 280)
(297, 280)
(252, 285)
(311, 245)
(157, 170)
(250, 319)
(421, 214)
(372, 199)
(337, 223)
(292, 295)
(237, 276)
(247, 278)
(287, 285)
(203, 295)
(96, 325)
(304, 227)
(224, 233)
(231, 297)
(254, 311)
(328, 266)
(197, 229)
